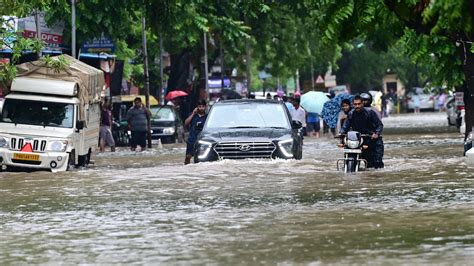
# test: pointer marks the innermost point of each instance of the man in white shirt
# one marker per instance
(299, 114)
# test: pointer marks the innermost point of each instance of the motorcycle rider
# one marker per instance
(365, 121)
(367, 101)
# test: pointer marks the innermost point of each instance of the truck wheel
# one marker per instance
(84, 160)
(71, 162)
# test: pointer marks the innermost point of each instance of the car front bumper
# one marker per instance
(54, 161)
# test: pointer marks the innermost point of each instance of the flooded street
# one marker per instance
(148, 208)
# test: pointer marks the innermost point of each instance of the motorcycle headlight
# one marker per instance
(57, 145)
(353, 144)
(169, 130)
(286, 147)
(204, 147)
(4, 142)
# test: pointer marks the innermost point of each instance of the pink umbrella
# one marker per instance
(174, 94)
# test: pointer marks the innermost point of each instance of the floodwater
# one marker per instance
(148, 208)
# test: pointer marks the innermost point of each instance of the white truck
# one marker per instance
(50, 120)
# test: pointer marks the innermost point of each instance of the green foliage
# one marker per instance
(10, 39)
(57, 63)
(424, 30)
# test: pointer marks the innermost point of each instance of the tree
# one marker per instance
(438, 30)
(10, 39)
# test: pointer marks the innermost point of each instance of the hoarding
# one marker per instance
(52, 35)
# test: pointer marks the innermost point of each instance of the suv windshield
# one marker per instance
(37, 113)
(161, 114)
(248, 115)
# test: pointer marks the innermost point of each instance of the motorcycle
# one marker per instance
(356, 150)
(120, 133)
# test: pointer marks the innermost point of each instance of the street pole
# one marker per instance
(147, 78)
(38, 29)
(298, 89)
(221, 52)
(162, 91)
(312, 76)
(73, 30)
(206, 73)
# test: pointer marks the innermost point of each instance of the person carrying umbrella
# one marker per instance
(345, 109)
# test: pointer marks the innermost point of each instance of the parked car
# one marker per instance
(166, 124)
(453, 112)
(427, 101)
(122, 103)
(240, 129)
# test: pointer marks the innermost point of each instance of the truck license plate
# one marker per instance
(26, 156)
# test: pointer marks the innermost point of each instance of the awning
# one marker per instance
(98, 56)
(130, 98)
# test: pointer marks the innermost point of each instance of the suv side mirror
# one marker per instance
(79, 125)
(296, 124)
(199, 126)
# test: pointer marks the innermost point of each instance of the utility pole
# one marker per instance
(221, 52)
(38, 28)
(249, 65)
(73, 30)
(147, 78)
(162, 76)
(206, 68)
(298, 89)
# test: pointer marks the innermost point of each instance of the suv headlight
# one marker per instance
(56, 145)
(4, 142)
(286, 147)
(204, 147)
(168, 130)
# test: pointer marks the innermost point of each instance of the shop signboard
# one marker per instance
(99, 45)
(52, 35)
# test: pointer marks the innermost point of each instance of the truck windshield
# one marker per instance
(37, 113)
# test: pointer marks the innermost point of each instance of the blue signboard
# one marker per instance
(99, 45)
(217, 82)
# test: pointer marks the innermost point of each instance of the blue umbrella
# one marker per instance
(343, 96)
(313, 101)
(332, 108)
(330, 113)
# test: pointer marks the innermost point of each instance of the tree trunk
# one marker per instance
(468, 69)
(249, 65)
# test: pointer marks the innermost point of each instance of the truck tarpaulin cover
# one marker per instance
(89, 79)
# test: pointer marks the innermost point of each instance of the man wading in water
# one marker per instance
(198, 115)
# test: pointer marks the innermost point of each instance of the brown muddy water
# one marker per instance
(147, 208)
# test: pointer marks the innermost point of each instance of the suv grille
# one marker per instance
(242, 150)
(18, 143)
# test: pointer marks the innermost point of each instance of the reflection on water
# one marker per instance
(148, 208)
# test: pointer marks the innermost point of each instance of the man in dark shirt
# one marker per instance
(366, 121)
(197, 116)
(138, 117)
